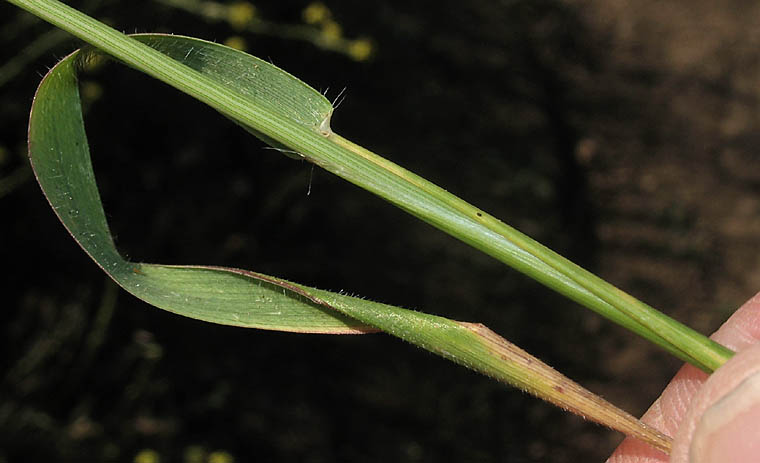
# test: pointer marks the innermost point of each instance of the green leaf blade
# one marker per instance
(61, 161)
(238, 298)
(260, 83)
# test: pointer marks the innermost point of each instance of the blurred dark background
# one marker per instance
(621, 134)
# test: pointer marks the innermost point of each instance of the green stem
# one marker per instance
(499, 240)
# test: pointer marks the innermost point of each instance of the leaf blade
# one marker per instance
(60, 158)
(61, 161)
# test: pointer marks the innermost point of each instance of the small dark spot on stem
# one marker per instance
(559, 389)
(479, 214)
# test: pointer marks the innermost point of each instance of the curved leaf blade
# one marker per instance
(262, 84)
(60, 158)
(61, 161)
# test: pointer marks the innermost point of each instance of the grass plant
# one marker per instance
(294, 118)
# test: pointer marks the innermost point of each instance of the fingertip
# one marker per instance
(669, 412)
(730, 429)
(717, 424)
(742, 329)
(635, 451)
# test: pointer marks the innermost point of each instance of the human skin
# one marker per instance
(711, 418)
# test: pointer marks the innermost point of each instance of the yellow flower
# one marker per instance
(147, 456)
(315, 13)
(360, 49)
(240, 15)
(331, 31)
(220, 456)
(236, 42)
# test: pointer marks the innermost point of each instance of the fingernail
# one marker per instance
(729, 430)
